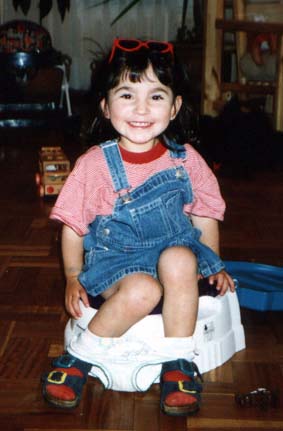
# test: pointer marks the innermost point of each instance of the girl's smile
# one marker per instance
(140, 111)
(139, 124)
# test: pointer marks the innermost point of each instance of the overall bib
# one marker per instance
(145, 221)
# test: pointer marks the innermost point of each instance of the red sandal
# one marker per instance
(63, 386)
(180, 388)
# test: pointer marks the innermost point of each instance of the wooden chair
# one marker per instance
(214, 88)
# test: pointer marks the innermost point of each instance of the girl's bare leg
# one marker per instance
(177, 271)
(131, 299)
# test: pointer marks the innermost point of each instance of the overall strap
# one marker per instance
(177, 151)
(115, 164)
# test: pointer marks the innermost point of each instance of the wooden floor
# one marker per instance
(32, 316)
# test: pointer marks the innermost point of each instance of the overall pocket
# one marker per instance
(161, 218)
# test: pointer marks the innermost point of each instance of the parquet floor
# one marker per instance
(32, 317)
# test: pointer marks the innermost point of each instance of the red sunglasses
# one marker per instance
(131, 45)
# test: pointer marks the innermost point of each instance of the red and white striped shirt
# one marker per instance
(88, 191)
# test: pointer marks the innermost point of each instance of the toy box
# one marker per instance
(54, 168)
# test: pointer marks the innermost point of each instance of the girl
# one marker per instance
(141, 210)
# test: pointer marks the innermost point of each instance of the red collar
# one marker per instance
(145, 157)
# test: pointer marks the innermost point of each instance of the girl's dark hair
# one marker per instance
(168, 70)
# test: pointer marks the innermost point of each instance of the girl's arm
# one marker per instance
(210, 237)
(209, 231)
(72, 250)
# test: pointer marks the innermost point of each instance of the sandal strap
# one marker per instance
(190, 369)
(191, 388)
(67, 361)
(58, 377)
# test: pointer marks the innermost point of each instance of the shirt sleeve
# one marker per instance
(70, 206)
(207, 198)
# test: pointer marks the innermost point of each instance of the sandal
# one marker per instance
(63, 386)
(180, 388)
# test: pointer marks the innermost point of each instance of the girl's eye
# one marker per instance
(157, 97)
(126, 96)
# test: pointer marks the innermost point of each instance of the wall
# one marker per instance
(86, 28)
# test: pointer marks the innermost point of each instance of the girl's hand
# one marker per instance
(74, 293)
(224, 282)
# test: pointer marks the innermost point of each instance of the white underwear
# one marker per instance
(133, 362)
(129, 363)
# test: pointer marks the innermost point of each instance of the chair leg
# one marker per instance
(212, 57)
(278, 108)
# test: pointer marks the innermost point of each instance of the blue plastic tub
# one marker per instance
(259, 286)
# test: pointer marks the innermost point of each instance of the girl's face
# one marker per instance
(140, 111)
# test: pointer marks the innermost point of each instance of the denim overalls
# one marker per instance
(145, 221)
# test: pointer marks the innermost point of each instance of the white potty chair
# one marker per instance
(133, 362)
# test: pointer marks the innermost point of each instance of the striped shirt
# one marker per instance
(89, 192)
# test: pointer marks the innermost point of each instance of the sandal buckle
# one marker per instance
(182, 388)
(57, 377)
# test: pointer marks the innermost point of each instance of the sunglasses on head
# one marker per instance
(131, 45)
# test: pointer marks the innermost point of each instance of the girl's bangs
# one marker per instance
(133, 66)
(132, 75)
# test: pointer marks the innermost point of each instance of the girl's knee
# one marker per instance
(141, 293)
(176, 263)
(178, 256)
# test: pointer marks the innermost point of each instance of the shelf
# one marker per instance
(230, 25)
(247, 88)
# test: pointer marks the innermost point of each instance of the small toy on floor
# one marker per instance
(261, 397)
